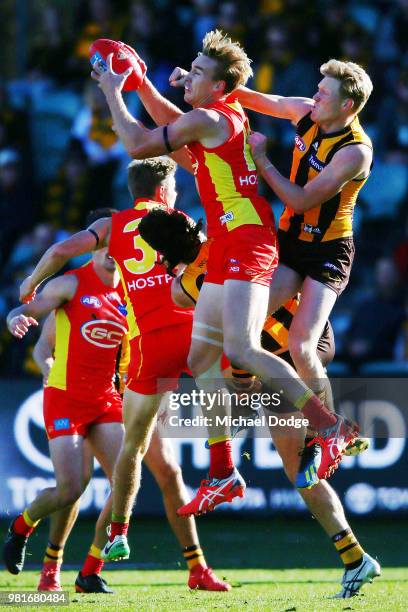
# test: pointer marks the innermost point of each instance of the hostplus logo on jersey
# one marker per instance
(299, 143)
(103, 333)
(91, 301)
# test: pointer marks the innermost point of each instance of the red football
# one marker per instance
(123, 58)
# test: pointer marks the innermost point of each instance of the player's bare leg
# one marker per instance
(204, 360)
(67, 458)
(161, 462)
(316, 304)
(245, 309)
(61, 524)
(326, 507)
(139, 413)
(105, 441)
(285, 284)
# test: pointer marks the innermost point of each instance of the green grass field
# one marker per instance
(273, 565)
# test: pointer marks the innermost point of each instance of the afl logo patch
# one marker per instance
(103, 333)
(91, 301)
(299, 143)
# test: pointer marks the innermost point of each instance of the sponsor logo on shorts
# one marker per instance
(229, 216)
(311, 229)
(103, 333)
(299, 143)
(234, 268)
(91, 301)
(61, 424)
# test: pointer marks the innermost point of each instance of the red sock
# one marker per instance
(92, 565)
(221, 463)
(318, 415)
(118, 529)
(23, 525)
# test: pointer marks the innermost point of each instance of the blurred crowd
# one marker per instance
(59, 157)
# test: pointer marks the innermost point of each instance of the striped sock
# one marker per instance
(193, 556)
(221, 462)
(93, 563)
(348, 548)
(53, 553)
(23, 525)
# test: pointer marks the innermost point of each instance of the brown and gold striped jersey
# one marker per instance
(312, 152)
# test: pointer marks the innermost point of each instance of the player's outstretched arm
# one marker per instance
(55, 293)
(162, 111)
(348, 163)
(277, 106)
(140, 142)
(44, 347)
(55, 258)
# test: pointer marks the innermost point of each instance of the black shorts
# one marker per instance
(328, 263)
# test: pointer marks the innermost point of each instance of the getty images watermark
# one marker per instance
(197, 408)
(377, 405)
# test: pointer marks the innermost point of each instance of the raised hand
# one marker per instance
(177, 77)
(18, 325)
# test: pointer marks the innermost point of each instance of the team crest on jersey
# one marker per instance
(103, 333)
(299, 143)
(91, 301)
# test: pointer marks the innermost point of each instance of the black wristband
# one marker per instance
(95, 235)
(166, 140)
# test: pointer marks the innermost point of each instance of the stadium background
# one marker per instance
(59, 159)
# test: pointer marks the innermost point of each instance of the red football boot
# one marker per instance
(204, 579)
(334, 440)
(50, 577)
(214, 492)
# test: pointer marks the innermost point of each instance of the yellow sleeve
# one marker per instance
(124, 363)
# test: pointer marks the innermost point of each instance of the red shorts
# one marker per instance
(248, 253)
(158, 358)
(65, 415)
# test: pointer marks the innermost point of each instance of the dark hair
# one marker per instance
(99, 213)
(145, 175)
(173, 235)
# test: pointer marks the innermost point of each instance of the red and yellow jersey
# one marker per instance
(226, 177)
(90, 330)
(146, 284)
(312, 152)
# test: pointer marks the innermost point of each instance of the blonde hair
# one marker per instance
(354, 81)
(234, 66)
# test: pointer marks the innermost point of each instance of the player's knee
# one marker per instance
(239, 354)
(301, 348)
(69, 493)
(168, 475)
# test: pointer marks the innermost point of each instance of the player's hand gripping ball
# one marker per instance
(124, 57)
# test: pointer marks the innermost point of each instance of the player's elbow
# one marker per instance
(60, 252)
